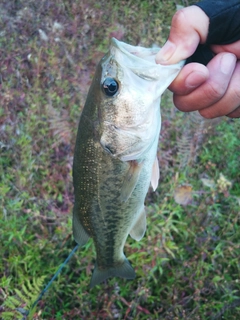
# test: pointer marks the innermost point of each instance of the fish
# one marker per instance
(115, 154)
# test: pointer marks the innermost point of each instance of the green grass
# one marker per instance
(187, 264)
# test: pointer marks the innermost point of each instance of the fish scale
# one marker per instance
(115, 154)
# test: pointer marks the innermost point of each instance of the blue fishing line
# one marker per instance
(26, 312)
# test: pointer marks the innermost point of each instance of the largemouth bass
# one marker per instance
(115, 154)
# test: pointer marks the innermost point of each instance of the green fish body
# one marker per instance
(115, 154)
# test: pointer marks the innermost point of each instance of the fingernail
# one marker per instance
(227, 63)
(195, 79)
(166, 52)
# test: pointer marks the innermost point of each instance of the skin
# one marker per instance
(214, 89)
(109, 191)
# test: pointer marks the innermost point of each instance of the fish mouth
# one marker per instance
(142, 61)
(141, 53)
(138, 59)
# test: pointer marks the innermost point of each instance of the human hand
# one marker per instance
(213, 90)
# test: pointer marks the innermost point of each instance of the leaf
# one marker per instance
(208, 183)
(183, 194)
(223, 183)
(217, 279)
(26, 296)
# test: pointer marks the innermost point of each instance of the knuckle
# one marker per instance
(178, 18)
(206, 113)
(235, 113)
(181, 103)
(236, 93)
(180, 24)
(234, 85)
(215, 91)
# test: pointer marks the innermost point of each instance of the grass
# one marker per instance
(187, 265)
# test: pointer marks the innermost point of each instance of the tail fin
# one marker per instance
(124, 270)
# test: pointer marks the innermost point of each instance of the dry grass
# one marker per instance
(188, 263)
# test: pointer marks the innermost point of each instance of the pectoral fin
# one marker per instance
(130, 180)
(79, 234)
(139, 228)
(155, 174)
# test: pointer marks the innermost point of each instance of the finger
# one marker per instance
(233, 48)
(189, 27)
(235, 113)
(190, 77)
(230, 102)
(211, 91)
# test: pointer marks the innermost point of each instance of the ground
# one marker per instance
(187, 264)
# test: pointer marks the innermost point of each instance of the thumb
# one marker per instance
(189, 28)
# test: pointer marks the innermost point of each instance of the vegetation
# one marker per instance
(187, 265)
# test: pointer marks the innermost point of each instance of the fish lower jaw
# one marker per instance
(108, 148)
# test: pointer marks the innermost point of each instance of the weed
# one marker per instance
(187, 265)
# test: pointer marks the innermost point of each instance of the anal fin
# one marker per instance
(139, 227)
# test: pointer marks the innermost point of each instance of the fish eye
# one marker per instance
(110, 87)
